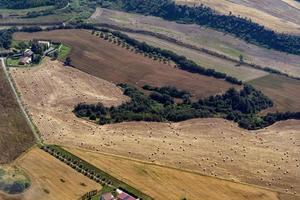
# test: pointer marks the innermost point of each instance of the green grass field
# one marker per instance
(63, 52)
(12, 62)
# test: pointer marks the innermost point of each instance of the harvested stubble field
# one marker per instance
(164, 183)
(15, 134)
(205, 38)
(279, 15)
(108, 61)
(214, 147)
(282, 90)
(50, 178)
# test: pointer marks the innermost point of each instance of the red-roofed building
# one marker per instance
(107, 196)
(124, 196)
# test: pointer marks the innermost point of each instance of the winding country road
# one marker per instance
(31, 125)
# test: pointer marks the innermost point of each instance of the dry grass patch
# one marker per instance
(163, 183)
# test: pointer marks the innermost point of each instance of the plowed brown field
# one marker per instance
(15, 134)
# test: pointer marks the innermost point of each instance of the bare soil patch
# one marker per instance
(163, 183)
(282, 90)
(118, 65)
(213, 147)
(51, 179)
(15, 134)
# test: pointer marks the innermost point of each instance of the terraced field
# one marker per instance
(201, 37)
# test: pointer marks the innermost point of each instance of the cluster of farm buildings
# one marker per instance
(27, 56)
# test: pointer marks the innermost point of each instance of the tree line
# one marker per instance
(240, 27)
(240, 106)
(181, 61)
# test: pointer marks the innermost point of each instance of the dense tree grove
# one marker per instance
(23, 4)
(169, 90)
(240, 27)
(239, 106)
(6, 38)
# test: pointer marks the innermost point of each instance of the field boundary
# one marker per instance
(91, 171)
(28, 120)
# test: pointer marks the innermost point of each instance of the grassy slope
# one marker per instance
(15, 134)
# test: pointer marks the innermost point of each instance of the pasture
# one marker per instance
(164, 183)
(108, 61)
(50, 178)
(15, 134)
(212, 147)
(202, 37)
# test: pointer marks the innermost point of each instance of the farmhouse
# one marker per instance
(44, 42)
(25, 60)
(28, 53)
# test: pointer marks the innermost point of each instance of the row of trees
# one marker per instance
(23, 4)
(181, 61)
(240, 106)
(240, 27)
(6, 38)
(92, 172)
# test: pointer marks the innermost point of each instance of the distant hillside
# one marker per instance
(22, 4)
(205, 16)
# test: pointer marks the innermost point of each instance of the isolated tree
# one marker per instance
(241, 57)
(68, 61)
(55, 55)
(22, 45)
